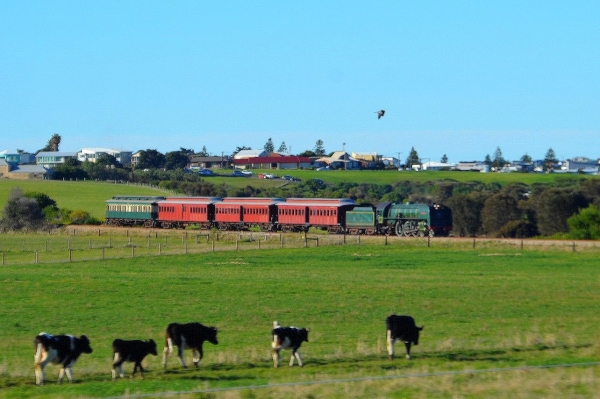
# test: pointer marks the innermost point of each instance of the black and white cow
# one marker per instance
(287, 338)
(401, 328)
(188, 336)
(59, 349)
(131, 351)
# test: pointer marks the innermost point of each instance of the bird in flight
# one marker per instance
(380, 113)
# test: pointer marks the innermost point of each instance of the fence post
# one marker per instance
(473, 242)
(70, 255)
(159, 248)
(428, 241)
(110, 241)
(258, 243)
(385, 242)
(102, 253)
(213, 245)
(573, 246)
(237, 244)
(186, 248)
(36, 256)
(133, 251)
(358, 239)
(317, 241)
(521, 244)
(305, 241)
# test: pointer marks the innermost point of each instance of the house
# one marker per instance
(431, 165)
(473, 166)
(10, 156)
(15, 171)
(246, 154)
(51, 159)
(581, 164)
(92, 154)
(274, 162)
(341, 160)
(209, 162)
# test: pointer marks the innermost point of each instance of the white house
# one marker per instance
(92, 154)
(431, 165)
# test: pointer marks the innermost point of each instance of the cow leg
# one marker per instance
(275, 358)
(69, 373)
(117, 366)
(197, 356)
(390, 344)
(165, 356)
(407, 344)
(61, 375)
(41, 359)
(180, 354)
(296, 353)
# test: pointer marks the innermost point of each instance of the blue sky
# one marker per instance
(459, 78)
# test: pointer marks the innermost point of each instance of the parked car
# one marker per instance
(269, 176)
(238, 173)
(206, 172)
(322, 168)
(290, 178)
(248, 172)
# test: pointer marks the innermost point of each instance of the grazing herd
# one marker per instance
(66, 349)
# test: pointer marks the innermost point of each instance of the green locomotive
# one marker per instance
(407, 219)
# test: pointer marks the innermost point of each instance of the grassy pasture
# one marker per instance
(483, 308)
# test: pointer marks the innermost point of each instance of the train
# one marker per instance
(334, 215)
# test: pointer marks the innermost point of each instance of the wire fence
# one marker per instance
(84, 243)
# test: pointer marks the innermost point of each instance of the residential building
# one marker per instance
(273, 162)
(51, 159)
(246, 154)
(92, 154)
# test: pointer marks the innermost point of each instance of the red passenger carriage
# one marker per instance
(298, 214)
(179, 212)
(243, 213)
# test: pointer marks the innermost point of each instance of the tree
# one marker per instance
(466, 213)
(413, 158)
(526, 159)
(242, 148)
(269, 147)
(585, 225)
(554, 206)
(283, 148)
(108, 160)
(307, 153)
(21, 212)
(177, 159)
(498, 210)
(499, 160)
(203, 153)
(151, 159)
(488, 160)
(444, 159)
(549, 161)
(319, 149)
(53, 143)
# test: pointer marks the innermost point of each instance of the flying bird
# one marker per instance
(380, 113)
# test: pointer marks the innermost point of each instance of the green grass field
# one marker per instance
(483, 309)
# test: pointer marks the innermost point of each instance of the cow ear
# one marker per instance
(420, 328)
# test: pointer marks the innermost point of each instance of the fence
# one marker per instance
(75, 244)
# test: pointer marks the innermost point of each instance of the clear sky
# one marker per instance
(460, 78)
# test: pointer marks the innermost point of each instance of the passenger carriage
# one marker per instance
(299, 214)
(123, 210)
(180, 212)
(243, 213)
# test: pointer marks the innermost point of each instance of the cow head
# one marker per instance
(417, 331)
(212, 335)
(304, 334)
(84, 344)
(151, 345)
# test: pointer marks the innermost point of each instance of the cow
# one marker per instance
(401, 328)
(286, 338)
(59, 349)
(188, 336)
(131, 351)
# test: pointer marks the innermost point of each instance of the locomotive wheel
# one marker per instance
(399, 230)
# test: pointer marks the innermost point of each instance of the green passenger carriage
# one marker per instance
(132, 210)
